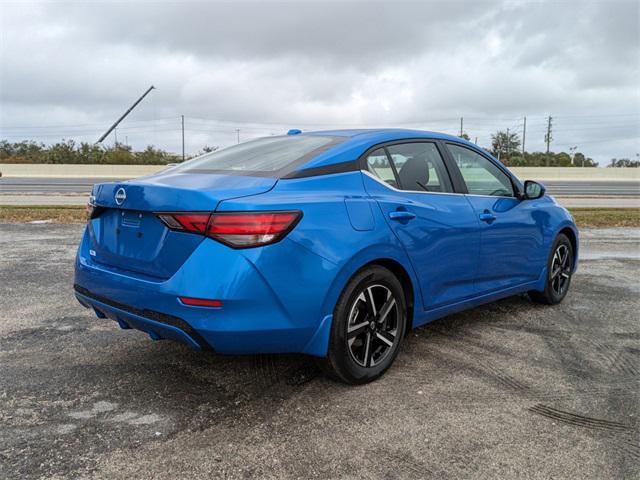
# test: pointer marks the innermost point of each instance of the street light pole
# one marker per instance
(112, 127)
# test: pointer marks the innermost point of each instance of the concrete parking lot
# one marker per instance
(508, 390)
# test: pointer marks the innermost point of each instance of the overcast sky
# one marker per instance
(69, 69)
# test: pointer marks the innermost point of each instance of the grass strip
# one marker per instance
(606, 217)
(585, 217)
(42, 213)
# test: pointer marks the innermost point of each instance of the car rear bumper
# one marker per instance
(254, 318)
(158, 325)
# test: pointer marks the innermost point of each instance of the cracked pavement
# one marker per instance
(508, 390)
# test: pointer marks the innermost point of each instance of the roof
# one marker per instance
(360, 140)
(383, 132)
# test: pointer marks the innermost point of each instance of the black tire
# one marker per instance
(559, 272)
(365, 341)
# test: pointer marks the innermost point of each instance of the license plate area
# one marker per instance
(128, 234)
(131, 219)
(139, 241)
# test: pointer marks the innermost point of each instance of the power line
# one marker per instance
(485, 121)
(601, 115)
(97, 125)
(587, 125)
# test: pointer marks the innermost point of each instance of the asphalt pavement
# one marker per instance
(13, 185)
(74, 191)
(48, 185)
(508, 390)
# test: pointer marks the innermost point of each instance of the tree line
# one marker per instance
(505, 146)
(69, 151)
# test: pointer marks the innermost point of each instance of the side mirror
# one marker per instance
(533, 190)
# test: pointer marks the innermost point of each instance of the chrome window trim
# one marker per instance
(391, 187)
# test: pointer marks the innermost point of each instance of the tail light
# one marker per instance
(92, 209)
(91, 205)
(235, 229)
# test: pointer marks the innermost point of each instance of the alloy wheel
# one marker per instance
(373, 325)
(560, 270)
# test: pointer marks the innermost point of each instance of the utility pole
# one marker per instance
(115, 134)
(461, 124)
(238, 134)
(182, 117)
(476, 141)
(112, 127)
(508, 144)
(524, 134)
(548, 138)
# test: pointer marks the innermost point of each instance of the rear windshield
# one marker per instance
(262, 156)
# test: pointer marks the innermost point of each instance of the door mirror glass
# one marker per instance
(533, 190)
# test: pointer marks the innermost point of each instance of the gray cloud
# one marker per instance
(263, 66)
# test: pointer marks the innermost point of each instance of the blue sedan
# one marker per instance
(333, 244)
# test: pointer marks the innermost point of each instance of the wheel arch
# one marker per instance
(572, 235)
(407, 285)
(390, 259)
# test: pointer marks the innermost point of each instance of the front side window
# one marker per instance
(263, 155)
(420, 167)
(481, 175)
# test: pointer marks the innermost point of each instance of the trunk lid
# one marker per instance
(126, 235)
(179, 192)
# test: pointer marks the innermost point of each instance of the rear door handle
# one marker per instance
(401, 215)
(487, 216)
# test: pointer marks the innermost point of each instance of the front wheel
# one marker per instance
(369, 322)
(559, 272)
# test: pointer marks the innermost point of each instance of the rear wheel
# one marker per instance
(368, 326)
(559, 271)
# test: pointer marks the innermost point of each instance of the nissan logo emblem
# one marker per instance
(121, 196)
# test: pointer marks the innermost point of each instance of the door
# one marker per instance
(438, 229)
(511, 233)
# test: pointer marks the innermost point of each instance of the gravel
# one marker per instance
(511, 389)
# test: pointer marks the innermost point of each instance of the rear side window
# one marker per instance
(420, 167)
(264, 155)
(480, 174)
(378, 164)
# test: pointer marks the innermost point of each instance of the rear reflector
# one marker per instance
(200, 302)
(235, 229)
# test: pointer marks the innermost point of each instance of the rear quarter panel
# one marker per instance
(341, 226)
